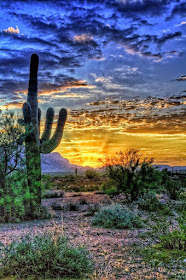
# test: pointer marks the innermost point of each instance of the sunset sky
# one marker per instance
(117, 66)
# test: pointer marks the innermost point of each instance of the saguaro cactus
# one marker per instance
(34, 145)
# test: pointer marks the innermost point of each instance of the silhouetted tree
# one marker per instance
(132, 173)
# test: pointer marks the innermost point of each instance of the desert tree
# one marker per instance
(10, 145)
(132, 173)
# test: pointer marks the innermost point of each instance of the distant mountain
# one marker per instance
(169, 168)
(54, 162)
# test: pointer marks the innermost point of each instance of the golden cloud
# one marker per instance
(12, 30)
(84, 38)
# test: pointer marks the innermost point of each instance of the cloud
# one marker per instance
(84, 38)
(168, 36)
(12, 30)
(179, 9)
(182, 23)
(73, 38)
(181, 78)
(152, 114)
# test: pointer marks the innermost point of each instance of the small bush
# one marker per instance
(161, 257)
(71, 206)
(170, 250)
(110, 188)
(174, 188)
(53, 194)
(176, 240)
(91, 174)
(117, 216)
(15, 198)
(180, 206)
(71, 178)
(150, 202)
(47, 255)
(15, 201)
(57, 206)
(92, 209)
(47, 181)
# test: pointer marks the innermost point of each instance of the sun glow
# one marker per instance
(87, 147)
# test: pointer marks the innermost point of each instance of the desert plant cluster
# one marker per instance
(129, 210)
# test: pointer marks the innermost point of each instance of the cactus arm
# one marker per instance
(39, 120)
(50, 145)
(48, 124)
(27, 113)
(26, 122)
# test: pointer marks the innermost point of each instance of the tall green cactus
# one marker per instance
(34, 145)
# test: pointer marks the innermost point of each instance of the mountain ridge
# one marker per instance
(54, 162)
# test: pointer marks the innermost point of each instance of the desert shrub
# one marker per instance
(116, 216)
(71, 206)
(15, 200)
(110, 188)
(47, 255)
(47, 181)
(53, 194)
(180, 206)
(150, 202)
(132, 174)
(57, 206)
(91, 174)
(84, 188)
(157, 256)
(175, 240)
(170, 250)
(172, 185)
(71, 178)
(173, 188)
(90, 188)
(92, 209)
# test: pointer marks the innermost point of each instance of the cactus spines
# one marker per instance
(33, 144)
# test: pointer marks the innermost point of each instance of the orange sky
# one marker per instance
(87, 146)
(155, 126)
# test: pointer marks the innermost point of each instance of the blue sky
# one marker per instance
(116, 60)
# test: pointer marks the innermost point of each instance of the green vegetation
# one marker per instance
(149, 202)
(15, 200)
(91, 174)
(33, 144)
(109, 187)
(132, 174)
(169, 250)
(117, 216)
(10, 147)
(45, 256)
(20, 197)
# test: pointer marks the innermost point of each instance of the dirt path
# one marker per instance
(112, 250)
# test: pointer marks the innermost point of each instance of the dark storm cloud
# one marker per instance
(179, 9)
(168, 37)
(66, 34)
